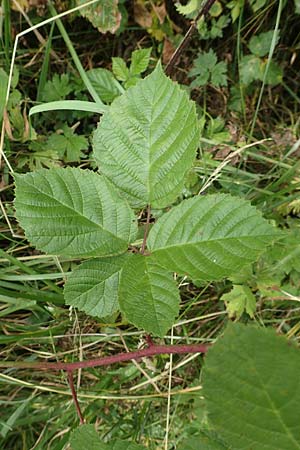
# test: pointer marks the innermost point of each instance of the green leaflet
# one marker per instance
(146, 142)
(86, 437)
(252, 391)
(210, 237)
(73, 212)
(93, 286)
(140, 60)
(148, 295)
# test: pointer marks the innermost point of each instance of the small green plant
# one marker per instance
(253, 66)
(207, 69)
(139, 63)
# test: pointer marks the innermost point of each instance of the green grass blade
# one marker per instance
(75, 57)
(72, 105)
(45, 66)
(271, 51)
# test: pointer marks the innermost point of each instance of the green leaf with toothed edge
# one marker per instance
(140, 60)
(210, 237)
(251, 389)
(146, 142)
(148, 295)
(73, 212)
(93, 286)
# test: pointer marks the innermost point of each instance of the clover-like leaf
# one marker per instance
(252, 390)
(146, 142)
(148, 295)
(93, 286)
(210, 237)
(73, 212)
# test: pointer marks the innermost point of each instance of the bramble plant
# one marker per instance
(145, 146)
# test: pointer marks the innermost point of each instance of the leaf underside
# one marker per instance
(93, 286)
(210, 237)
(252, 390)
(146, 142)
(148, 295)
(73, 212)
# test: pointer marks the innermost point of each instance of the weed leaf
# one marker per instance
(104, 84)
(146, 142)
(260, 45)
(119, 68)
(238, 300)
(140, 60)
(250, 69)
(68, 145)
(251, 388)
(210, 237)
(73, 212)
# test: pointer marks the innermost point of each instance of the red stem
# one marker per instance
(107, 360)
(74, 395)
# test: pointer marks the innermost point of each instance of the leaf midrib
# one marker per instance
(88, 220)
(182, 244)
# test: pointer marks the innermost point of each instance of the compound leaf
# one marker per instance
(148, 295)
(210, 237)
(252, 391)
(93, 286)
(146, 142)
(68, 144)
(73, 212)
(57, 88)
